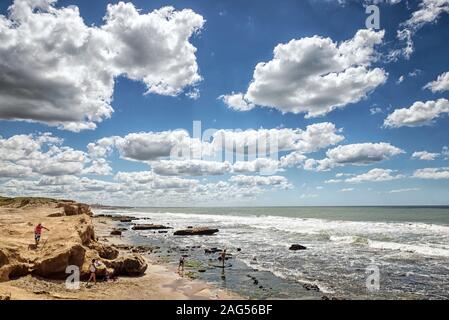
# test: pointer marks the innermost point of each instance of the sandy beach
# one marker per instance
(75, 238)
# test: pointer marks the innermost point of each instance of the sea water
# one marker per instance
(408, 245)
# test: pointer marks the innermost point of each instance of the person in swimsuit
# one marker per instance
(93, 272)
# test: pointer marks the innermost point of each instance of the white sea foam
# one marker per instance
(338, 250)
(278, 230)
(427, 250)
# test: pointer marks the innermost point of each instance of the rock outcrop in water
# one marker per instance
(196, 232)
(150, 227)
(70, 241)
(296, 247)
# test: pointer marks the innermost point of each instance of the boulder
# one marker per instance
(86, 233)
(311, 287)
(296, 247)
(150, 227)
(116, 232)
(14, 270)
(56, 214)
(118, 218)
(54, 264)
(196, 232)
(3, 258)
(123, 246)
(74, 209)
(5, 297)
(105, 251)
(142, 249)
(212, 250)
(132, 265)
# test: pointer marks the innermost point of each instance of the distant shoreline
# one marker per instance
(255, 207)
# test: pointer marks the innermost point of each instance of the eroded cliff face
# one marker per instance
(70, 241)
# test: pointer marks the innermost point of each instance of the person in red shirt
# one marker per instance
(38, 233)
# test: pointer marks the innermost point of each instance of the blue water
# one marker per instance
(408, 245)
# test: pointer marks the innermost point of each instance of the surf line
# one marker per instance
(186, 310)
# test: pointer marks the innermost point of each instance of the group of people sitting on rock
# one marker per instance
(98, 268)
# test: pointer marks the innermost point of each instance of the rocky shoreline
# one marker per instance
(51, 258)
(202, 260)
(74, 239)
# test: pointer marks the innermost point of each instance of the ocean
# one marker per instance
(352, 252)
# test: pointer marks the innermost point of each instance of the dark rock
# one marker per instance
(150, 227)
(116, 233)
(105, 251)
(142, 249)
(311, 287)
(162, 231)
(196, 232)
(121, 218)
(212, 250)
(56, 214)
(295, 247)
(123, 246)
(5, 297)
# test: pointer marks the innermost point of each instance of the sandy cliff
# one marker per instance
(70, 241)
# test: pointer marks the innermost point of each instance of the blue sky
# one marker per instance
(231, 40)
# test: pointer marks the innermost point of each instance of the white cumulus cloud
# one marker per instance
(419, 114)
(261, 181)
(358, 154)
(56, 70)
(314, 75)
(375, 175)
(432, 173)
(440, 84)
(424, 155)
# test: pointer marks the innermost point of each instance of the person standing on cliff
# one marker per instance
(38, 233)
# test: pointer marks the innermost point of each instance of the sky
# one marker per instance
(225, 103)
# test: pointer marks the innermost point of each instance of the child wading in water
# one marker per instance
(38, 233)
(181, 264)
(223, 257)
